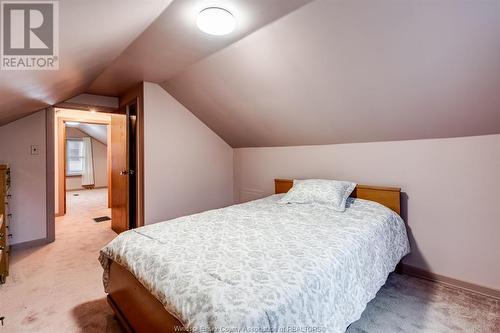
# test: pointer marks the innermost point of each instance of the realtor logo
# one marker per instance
(30, 35)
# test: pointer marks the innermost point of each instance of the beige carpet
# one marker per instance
(407, 305)
(58, 288)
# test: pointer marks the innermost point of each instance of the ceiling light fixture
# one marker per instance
(216, 21)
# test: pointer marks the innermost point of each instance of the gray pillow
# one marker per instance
(331, 193)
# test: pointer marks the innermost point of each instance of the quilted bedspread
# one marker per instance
(263, 266)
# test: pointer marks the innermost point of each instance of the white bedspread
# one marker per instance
(265, 267)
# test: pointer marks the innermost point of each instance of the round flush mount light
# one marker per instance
(216, 21)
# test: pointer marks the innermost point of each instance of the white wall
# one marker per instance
(28, 202)
(452, 185)
(188, 168)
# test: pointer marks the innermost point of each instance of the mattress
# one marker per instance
(263, 266)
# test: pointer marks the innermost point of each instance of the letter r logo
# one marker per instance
(27, 28)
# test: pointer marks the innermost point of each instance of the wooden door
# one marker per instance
(119, 174)
(108, 162)
(61, 165)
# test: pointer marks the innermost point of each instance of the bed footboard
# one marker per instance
(135, 308)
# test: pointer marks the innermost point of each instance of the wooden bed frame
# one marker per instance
(387, 196)
(139, 311)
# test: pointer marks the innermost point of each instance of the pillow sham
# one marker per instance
(331, 193)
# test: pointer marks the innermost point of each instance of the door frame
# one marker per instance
(136, 92)
(50, 184)
(61, 154)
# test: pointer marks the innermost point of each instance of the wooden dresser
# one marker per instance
(4, 221)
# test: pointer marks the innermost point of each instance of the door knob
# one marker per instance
(123, 173)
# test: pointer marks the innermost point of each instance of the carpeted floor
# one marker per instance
(410, 305)
(58, 288)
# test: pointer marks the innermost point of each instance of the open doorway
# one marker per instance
(98, 167)
(86, 169)
(82, 163)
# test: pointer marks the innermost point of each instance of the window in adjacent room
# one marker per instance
(74, 157)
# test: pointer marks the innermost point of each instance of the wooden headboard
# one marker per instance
(387, 196)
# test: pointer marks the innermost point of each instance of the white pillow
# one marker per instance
(332, 193)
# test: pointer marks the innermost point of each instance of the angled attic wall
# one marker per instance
(188, 168)
(343, 71)
(92, 34)
(98, 132)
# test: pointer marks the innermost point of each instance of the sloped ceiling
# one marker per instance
(295, 72)
(92, 34)
(173, 42)
(96, 131)
(339, 71)
(106, 46)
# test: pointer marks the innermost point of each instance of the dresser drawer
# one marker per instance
(7, 180)
(4, 264)
(7, 215)
(5, 196)
(3, 240)
(3, 233)
(4, 250)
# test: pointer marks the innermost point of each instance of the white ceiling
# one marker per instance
(92, 34)
(354, 71)
(173, 42)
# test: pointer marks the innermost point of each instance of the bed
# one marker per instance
(258, 266)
